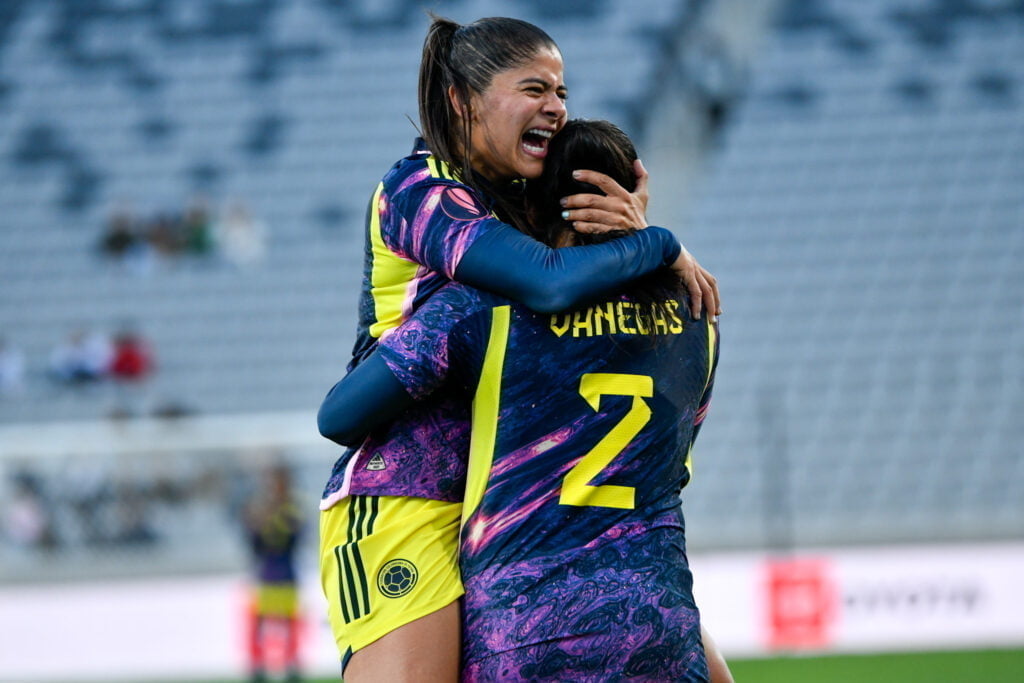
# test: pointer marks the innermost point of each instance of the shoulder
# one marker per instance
(417, 168)
(455, 310)
(456, 301)
(423, 172)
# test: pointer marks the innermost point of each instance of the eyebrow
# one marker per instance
(541, 81)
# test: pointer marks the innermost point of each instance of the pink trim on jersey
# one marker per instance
(413, 178)
(346, 483)
(462, 242)
(408, 307)
(426, 211)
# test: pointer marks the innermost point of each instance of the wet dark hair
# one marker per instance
(466, 58)
(596, 146)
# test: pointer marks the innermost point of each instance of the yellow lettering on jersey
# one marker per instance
(620, 317)
(576, 487)
(581, 325)
(486, 404)
(676, 326)
(642, 319)
(660, 322)
(604, 318)
(560, 323)
(625, 310)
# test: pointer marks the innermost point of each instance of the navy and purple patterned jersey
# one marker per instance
(419, 223)
(273, 540)
(573, 536)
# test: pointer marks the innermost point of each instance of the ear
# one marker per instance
(457, 105)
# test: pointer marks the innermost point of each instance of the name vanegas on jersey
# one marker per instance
(620, 317)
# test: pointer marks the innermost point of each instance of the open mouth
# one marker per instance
(535, 141)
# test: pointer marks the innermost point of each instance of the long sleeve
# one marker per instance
(507, 262)
(366, 398)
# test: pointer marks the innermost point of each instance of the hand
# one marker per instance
(702, 285)
(617, 209)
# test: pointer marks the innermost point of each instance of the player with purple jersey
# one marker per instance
(573, 551)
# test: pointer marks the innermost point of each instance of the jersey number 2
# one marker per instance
(576, 488)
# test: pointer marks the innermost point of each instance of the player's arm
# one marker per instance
(448, 229)
(368, 397)
(406, 366)
(508, 262)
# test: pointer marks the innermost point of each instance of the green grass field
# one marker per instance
(979, 666)
(988, 666)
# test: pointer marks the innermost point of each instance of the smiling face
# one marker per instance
(515, 117)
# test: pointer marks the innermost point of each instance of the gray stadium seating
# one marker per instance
(867, 233)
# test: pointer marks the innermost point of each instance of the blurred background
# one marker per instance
(182, 191)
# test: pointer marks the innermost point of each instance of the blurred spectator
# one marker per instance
(197, 228)
(27, 519)
(241, 238)
(121, 235)
(134, 241)
(132, 360)
(273, 524)
(165, 234)
(125, 242)
(82, 358)
(131, 367)
(12, 368)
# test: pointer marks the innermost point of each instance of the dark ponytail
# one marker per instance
(438, 119)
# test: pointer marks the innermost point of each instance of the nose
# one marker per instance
(554, 107)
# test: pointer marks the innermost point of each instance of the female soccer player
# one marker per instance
(491, 98)
(572, 543)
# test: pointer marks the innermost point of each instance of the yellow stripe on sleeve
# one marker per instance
(486, 404)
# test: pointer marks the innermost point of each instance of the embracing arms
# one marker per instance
(368, 397)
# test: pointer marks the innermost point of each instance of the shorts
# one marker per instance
(386, 561)
(276, 600)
